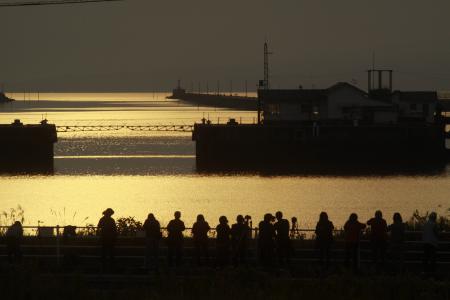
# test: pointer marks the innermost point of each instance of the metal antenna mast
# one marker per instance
(266, 66)
(264, 84)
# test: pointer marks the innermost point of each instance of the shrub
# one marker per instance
(128, 226)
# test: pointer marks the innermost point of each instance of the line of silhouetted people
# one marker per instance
(274, 245)
(274, 240)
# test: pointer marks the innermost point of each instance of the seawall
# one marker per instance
(221, 101)
(318, 147)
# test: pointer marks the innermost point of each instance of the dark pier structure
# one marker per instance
(318, 147)
(337, 129)
(215, 100)
(27, 148)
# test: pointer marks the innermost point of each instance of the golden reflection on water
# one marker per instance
(68, 198)
(88, 196)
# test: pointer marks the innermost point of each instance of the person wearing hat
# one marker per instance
(107, 230)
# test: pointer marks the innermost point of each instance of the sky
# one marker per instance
(146, 45)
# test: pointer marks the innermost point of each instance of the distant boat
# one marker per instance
(4, 98)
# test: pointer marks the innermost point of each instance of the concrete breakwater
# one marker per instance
(215, 100)
(315, 144)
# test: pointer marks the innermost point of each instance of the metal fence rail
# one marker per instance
(88, 128)
(295, 233)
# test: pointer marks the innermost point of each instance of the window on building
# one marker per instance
(425, 108)
(273, 109)
(413, 106)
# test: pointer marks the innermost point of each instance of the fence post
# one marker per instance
(58, 247)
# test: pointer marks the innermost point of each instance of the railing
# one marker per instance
(86, 128)
(91, 231)
(151, 127)
(50, 242)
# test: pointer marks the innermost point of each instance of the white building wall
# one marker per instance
(347, 97)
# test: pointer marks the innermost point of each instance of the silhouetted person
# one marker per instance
(294, 227)
(248, 221)
(352, 231)
(266, 238)
(175, 230)
(239, 236)
(223, 242)
(14, 236)
(430, 238)
(152, 237)
(69, 252)
(200, 231)
(108, 236)
(324, 239)
(378, 238)
(283, 242)
(397, 241)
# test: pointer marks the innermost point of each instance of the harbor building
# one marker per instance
(340, 102)
(344, 102)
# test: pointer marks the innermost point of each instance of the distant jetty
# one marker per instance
(4, 98)
(215, 100)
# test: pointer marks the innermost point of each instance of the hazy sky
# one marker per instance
(139, 45)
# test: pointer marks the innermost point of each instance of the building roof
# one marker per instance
(345, 84)
(307, 95)
(293, 95)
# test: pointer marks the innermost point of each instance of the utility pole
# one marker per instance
(266, 66)
(265, 82)
(245, 88)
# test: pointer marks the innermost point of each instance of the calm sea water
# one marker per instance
(139, 172)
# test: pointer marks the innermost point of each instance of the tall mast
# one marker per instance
(265, 82)
(266, 67)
